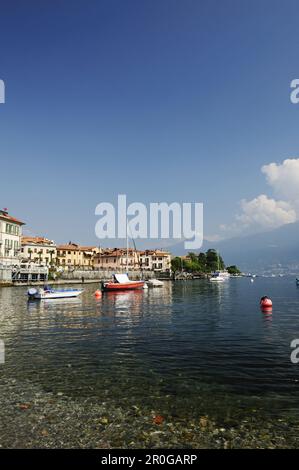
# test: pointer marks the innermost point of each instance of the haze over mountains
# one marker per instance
(273, 251)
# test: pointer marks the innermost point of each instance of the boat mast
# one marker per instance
(127, 261)
(135, 250)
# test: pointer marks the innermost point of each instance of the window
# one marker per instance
(7, 247)
(12, 229)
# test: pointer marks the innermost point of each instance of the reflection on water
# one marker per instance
(193, 344)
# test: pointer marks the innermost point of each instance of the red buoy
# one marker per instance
(98, 294)
(266, 304)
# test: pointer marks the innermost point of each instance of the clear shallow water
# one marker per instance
(192, 347)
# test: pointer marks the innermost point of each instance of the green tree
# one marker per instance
(176, 264)
(191, 266)
(233, 269)
(214, 260)
(202, 262)
(193, 257)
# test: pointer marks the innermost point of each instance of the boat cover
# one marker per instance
(122, 278)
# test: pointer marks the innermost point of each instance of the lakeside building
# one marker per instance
(72, 256)
(149, 260)
(10, 239)
(38, 250)
(89, 255)
(116, 259)
(155, 260)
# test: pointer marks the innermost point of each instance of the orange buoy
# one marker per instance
(98, 294)
(266, 304)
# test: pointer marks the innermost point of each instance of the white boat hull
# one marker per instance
(55, 294)
(155, 283)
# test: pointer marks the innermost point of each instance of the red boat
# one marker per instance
(122, 282)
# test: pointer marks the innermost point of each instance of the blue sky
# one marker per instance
(161, 100)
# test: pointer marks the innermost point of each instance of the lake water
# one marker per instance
(192, 347)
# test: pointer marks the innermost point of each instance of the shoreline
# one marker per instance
(49, 419)
(63, 282)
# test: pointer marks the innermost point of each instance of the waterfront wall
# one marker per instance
(103, 275)
(5, 276)
(76, 276)
(10, 275)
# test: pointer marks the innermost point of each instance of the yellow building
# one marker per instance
(38, 250)
(72, 256)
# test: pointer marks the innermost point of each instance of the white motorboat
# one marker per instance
(155, 283)
(219, 275)
(225, 274)
(216, 277)
(49, 293)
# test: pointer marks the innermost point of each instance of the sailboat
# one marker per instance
(121, 281)
(219, 276)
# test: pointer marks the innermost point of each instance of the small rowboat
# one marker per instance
(122, 282)
(48, 294)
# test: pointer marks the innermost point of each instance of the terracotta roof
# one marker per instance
(5, 216)
(115, 252)
(69, 246)
(75, 247)
(88, 248)
(36, 241)
(155, 253)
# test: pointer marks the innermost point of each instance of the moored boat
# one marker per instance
(155, 283)
(219, 275)
(48, 293)
(216, 277)
(225, 274)
(121, 282)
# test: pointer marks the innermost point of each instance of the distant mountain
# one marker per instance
(268, 251)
